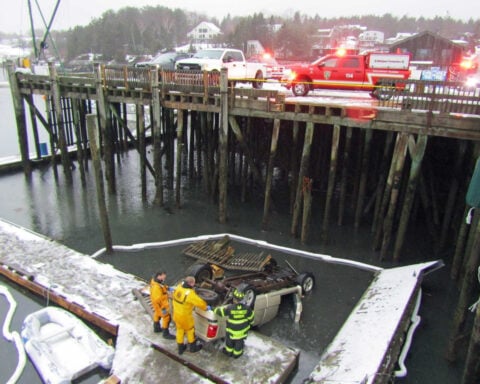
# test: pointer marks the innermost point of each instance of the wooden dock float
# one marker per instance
(103, 296)
(278, 361)
(366, 348)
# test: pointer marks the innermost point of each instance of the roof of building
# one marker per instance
(205, 24)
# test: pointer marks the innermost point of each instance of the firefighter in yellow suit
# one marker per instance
(184, 300)
(161, 308)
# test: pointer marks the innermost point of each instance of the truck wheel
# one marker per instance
(258, 82)
(211, 297)
(306, 281)
(200, 272)
(384, 90)
(300, 89)
(250, 296)
(250, 293)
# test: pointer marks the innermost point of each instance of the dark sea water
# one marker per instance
(68, 214)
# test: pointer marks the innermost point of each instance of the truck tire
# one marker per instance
(258, 82)
(250, 296)
(250, 293)
(200, 272)
(300, 88)
(211, 297)
(306, 281)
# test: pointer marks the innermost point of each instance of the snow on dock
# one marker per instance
(367, 345)
(103, 296)
(365, 350)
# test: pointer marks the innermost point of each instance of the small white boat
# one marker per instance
(62, 347)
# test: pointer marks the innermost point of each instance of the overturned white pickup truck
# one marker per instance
(214, 59)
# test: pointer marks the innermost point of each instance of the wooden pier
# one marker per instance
(357, 155)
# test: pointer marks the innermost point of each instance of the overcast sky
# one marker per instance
(14, 13)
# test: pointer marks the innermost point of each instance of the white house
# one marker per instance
(204, 33)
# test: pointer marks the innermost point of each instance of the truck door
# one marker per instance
(235, 63)
(348, 73)
(324, 73)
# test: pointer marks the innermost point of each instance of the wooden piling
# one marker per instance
(416, 151)
(304, 164)
(307, 209)
(20, 119)
(79, 139)
(247, 168)
(294, 165)
(157, 138)
(178, 178)
(192, 144)
(460, 245)
(469, 282)
(33, 121)
(363, 176)
(452, 194)
(269, 178)
(53, 143)
(56, 100)
(380, 214)
(394, 193)
(331, 181)
(140, 112)
(383, 170)
(471, 372)
(246, 150)
(169, 145)
(343, 180)
(105, 128)
(207, 174)
(97, 166)
(223, 149)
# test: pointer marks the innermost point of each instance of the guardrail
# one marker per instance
(432, 96)
(141, 78)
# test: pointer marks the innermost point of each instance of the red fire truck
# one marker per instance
(378, 73)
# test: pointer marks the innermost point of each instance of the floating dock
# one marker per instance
(103, 296)
(365, 350)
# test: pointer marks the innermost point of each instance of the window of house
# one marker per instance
(423, 54)
(447, 55)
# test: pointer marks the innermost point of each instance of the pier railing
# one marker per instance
(411, 95)
(432, 96)
(141, 79)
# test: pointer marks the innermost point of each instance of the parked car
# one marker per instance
(85, 62)
(273, 70)
(165, 60)
(263, 292)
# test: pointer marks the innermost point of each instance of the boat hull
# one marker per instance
(62, 347)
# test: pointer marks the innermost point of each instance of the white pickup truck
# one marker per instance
(214, 59)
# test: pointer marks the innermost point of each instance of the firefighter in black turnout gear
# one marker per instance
(239, 319)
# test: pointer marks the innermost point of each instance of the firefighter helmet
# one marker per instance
(239, 295)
